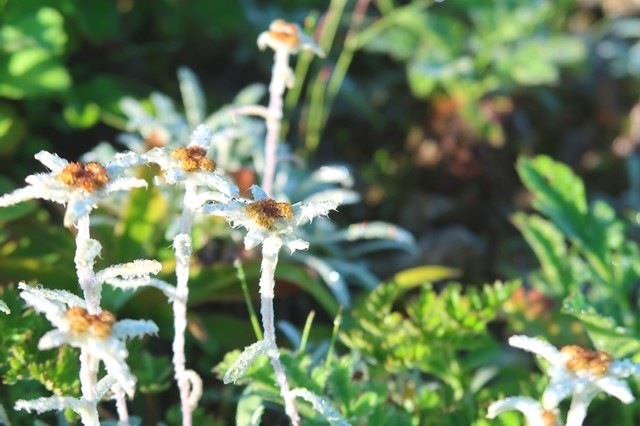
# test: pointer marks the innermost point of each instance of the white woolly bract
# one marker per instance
(539, 347)
(124, 184)
(51, 161)
(104, 385)
(305, 212)
(63, 296)
(319, 404)
(245, 359)
(201, 136)
(136, 269)
(624, 368)
(52, 339)
(130, 329)
(123, 161)
(58, 403)
(4, 308)
(346, 196)
(531, 409)
(135, 283)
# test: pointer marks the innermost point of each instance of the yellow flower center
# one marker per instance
(193, 159)
(549, 418)
(285, 33)
(87, 177)
(581, 359)
(266, 212)
(99, 325)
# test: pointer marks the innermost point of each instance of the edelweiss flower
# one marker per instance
(287, 37)
(79, 186)
(265, 218)
(191, 164)
(100, 335)
(580, 373)
(533, 412)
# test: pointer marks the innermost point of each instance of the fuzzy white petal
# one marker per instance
(52, 339)
(615, 387)
(124, 184)
(297, 244)
(258, 193)
(20, 195)
(131, 329)
(51, 161)
(254, 237)
(538, 347)
(531, 409)
(137, 268)
(201, 136)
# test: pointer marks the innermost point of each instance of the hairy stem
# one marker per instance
(84, 267)
(88, 381)
(270, 249)
(281, 74)
(182, 248)
(121, 407)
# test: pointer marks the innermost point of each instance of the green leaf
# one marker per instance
(250, 408)
(549, 245)
(558, 193)
(154, 373)
(604, 331)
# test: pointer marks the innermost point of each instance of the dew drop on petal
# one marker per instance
(334, 276)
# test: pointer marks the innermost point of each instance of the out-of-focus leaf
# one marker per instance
(250, 408)
(424, 274)
(12, 130)
(32, 72)
(81, 115)
(32, 26)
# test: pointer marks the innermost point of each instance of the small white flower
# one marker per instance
(78, 186)
(4, 308)
(533, 412)
(581, 374)
(287, 37)
(265, 218)
(100, 335)
(191, 164)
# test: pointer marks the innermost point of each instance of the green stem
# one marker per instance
(255, 324)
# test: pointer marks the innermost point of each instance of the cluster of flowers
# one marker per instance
(82, 323)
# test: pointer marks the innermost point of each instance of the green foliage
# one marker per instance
(25, 370)
(382, 378)
(584, 255)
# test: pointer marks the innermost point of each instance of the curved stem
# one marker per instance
(270, 249)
